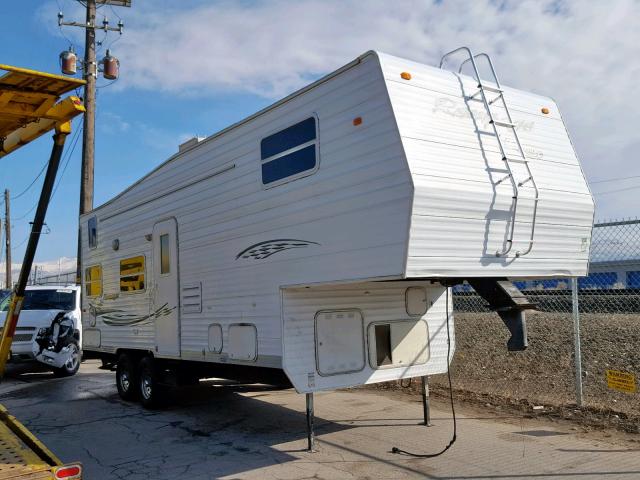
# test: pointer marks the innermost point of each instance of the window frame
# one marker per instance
(144, 272)
(295, 176)
(168, 247)
(89, 236)
(85, 283)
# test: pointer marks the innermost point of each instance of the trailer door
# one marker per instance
(165, 287)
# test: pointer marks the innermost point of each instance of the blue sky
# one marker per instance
(136, 130)
(193, 67)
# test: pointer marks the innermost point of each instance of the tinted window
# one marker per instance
(289, 165)
(92, 234)
(53, 299)
(93, 281)
(164, 254)
(288, 138)
(132, 274)
(300, 141)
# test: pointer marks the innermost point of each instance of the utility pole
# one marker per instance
(7, 238)
(89, 124)
(89, 119)
(90, 73)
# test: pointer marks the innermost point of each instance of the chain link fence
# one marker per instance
(605, 328)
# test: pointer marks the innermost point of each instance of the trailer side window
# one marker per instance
(93, 281)
(132, 274)
(165, 261)
(92, 232)
(290, 153)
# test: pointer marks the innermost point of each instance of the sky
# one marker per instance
(194, 67)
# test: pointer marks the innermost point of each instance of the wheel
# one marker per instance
(70, 368)
(150, 391)
(126, 377)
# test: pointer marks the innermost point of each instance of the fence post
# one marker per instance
(576, 340)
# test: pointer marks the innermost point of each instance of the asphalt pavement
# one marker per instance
(230, 431)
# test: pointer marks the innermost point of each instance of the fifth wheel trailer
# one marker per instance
(320, 236)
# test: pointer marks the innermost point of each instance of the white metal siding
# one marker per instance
(377, 302)
(355, 209)
(461, 209)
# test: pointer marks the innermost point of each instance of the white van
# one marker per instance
(40, 306)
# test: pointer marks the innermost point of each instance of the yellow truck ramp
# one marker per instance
(31, 105)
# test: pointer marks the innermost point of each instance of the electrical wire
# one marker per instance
(619, 179)
(64, 168)
(453, 410)
(32, 183)
(68, 154)
(606, 192)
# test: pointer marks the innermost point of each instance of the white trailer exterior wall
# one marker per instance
(405, 194)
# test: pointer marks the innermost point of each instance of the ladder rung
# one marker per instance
(503, 124)
(490, 89)
(494, 100)
(514, 160)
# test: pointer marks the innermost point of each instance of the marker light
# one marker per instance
(357, 121)
(545, 110)
(406, 75)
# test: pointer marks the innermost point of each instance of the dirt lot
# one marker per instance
(484, 372)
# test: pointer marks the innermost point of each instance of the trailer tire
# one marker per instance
(126, 378)
(150, 391)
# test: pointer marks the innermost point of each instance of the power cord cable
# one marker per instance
(453, 410)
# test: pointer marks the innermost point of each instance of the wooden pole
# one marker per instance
(7, 238)
(89, 120)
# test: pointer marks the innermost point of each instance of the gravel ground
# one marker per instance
(484, 372)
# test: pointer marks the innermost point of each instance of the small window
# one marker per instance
(290, 153)
(92, 232)
(132, 274)
(93, 281)
(164, 254)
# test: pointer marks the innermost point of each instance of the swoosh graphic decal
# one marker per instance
(267, 248)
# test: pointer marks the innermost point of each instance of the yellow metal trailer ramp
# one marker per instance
(31, 105)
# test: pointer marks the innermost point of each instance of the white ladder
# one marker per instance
(510, 126)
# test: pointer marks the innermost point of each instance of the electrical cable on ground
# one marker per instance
(453, 410)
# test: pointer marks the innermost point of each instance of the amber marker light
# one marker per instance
(545, 110)
(406, 75)
(357, 121)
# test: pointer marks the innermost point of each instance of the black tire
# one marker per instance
(150, 392)
(126, 377)
(70, 368)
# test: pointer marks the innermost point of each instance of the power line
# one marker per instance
(64, 168)
(617, 190)
(619, 179)
(69, 153)
(32, 183)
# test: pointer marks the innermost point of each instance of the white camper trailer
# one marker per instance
(320, 236)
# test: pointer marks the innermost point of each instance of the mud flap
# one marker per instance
(509, 303)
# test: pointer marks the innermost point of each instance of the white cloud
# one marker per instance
(582, 53)
(48, 268)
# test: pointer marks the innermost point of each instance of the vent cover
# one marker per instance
(192, 298)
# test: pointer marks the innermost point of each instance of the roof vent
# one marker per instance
(192, 142)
